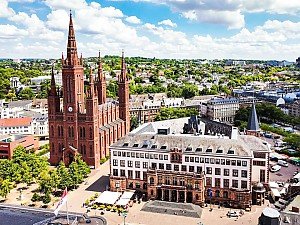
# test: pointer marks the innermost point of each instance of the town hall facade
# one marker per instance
(85, 123)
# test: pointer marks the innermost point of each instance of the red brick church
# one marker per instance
(85, 123)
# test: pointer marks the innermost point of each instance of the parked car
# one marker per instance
(232, 214)
(275, 168)
(282, 163)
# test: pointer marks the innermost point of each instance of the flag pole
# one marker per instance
(67, 211)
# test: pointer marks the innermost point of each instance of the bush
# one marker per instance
(46, 199)
(35, 197)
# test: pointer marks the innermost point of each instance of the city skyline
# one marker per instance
(163, 29)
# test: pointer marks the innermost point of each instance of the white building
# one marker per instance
(230, 162)
(16, 126)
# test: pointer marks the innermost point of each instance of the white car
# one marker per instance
(275, 168)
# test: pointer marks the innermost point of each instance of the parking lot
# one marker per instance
(285, 173)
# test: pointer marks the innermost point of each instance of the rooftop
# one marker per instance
(294, 204)
(15, 122)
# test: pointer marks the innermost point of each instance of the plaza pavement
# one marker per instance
(135, 216)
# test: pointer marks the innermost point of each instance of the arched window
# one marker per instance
(83, 132)
(80, 132)
(217, 193)
(91, 133)
(225, 194)
(151, 180)
(91, 150)
(69, 132)
(72, 131)
(152, 192)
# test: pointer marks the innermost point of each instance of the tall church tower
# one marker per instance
(124, 96)
(101, 85)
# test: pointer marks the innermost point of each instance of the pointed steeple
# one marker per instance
(91, 77)
(252, 124)
(53, 85)
(123, 77)
(100, 70)
(72, 57)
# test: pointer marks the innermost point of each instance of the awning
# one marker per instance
(108, 197)
(125, 198)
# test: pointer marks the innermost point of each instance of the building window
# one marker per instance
(217, 161)
(130, 163)
(132, 154)
(137, 155)
(169, 167)
(191, 169)
(201, 160)
(183, 168)
(199, 169)
(137, 174)
(142, 155)
(259, 163)
(238, 163)
(226, 172)
(212, 161)
(217, 182)
(226, 183)
(222, 161)
(235, 183)
(144, 175)
(115, 153)
(146, 155)
(161, 166)
(161, 157)
(244, 173)
(187, 159)
(122, 163)
(122, 173)
(191, 159)
(151, 180)
(153, 165)
(145, 165)
(208, 170)
(137, 164)
(130, 174)
(262, 176)
(217, 171)
(115, 172)
(228, 162)
(124, 154)
(206, 160)
(244, 184)
(176, 167)
(225, 194)
(233, 162)
(165, 157)
(115, 162)
(244, 163)
(208, 181)
(235, 173)
(196, 159)
(175, 181)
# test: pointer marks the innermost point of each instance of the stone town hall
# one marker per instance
(85, 123)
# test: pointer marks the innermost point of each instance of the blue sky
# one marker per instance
(212, 29)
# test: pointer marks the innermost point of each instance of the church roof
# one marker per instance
(253, 120)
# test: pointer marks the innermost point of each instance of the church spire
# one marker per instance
(123, 77)
(101, 85)
(52, 86)
(72, 57)
(252, 124)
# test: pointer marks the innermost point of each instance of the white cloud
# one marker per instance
(66, 4)
(133, 20)
(5, 11)
(11, 32)
(167, 22)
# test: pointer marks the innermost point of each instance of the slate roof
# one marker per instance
(253, 120)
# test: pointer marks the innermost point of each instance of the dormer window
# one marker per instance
(144, 146)
(163, 147)
(125, 144)
(230, 151)
(135, 145)
(219, 150)
(198, 149)
(189, 149)
(154, 146)
(209, 149)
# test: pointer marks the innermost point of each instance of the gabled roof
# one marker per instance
(253, 120)
(15, 122)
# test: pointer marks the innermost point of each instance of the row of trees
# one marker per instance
(27, 167)
(174, 113)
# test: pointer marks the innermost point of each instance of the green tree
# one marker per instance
(134, 123)
(5, 188)
(26, 94)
